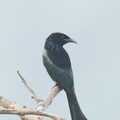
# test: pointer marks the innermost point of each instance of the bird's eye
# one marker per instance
(62, 36)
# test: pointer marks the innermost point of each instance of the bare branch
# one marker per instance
(29, 112)
(28, 88)
(12, 105)
(42, 105)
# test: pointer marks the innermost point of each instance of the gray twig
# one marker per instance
(29, 89)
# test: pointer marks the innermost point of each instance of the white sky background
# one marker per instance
(94, 24)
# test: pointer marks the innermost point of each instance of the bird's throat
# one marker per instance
(52, 46)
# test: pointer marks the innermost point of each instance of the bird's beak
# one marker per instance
(70, 40)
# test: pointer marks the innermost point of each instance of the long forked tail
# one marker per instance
(75, 110)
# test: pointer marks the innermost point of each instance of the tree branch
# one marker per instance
(12, 105)
(29, 112)
(42, 105)
(28, 88)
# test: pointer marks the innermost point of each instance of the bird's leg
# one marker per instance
(56, 85)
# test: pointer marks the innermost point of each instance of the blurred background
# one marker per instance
(94, 24)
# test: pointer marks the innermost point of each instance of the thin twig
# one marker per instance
(29, 89)
(30, 112)
(42, 105)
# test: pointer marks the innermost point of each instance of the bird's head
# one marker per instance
(59, 38)
(56, 40)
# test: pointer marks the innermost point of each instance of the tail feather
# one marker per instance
(75, 110)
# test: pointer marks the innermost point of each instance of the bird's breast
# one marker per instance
(46, 61)
(64, 77)
(59, 58)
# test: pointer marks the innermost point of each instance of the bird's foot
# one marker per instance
(56, 85)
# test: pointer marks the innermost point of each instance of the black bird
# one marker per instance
(57, 63)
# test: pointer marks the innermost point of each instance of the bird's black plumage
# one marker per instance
(58, 65)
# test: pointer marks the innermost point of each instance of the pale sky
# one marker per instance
(94, 24)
